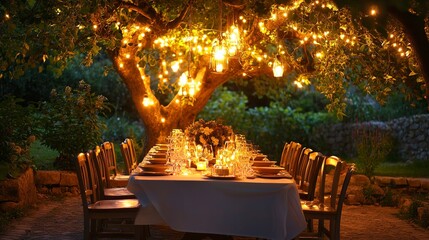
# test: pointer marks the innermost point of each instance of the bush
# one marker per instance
(71, 124)
(16, 129)
(119, 128)
(373, 146)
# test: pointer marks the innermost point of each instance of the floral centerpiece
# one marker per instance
(209, 132)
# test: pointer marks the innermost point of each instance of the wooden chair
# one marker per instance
(311, 162)
(109, 156)
(98, 211)
(329, 205)
(101, 173)
(129, 155)
(292, 158)
(283, 157)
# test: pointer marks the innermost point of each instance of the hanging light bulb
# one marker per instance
(175, 65)
(233, 41)
(147, 101)
(219, 60)
(278, 67)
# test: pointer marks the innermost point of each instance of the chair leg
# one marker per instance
(142, 232)
(86, 229)
(321, 228)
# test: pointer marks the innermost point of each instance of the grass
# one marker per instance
(418, 169)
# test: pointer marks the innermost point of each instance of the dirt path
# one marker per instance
(63, 220)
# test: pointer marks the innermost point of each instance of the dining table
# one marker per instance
(267, 208)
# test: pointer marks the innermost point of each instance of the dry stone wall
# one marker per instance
(410, 134)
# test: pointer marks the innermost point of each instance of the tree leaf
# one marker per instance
(31, 3)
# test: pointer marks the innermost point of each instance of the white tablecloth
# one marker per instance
(264, 208)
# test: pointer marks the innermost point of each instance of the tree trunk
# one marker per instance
(414, 29)
(159, 120)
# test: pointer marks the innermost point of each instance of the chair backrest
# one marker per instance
(87, 183)
(127, 156)
(130, 143)
(302, 165)
(312, 163)
(293, 158)
(284, 154)
(109, 156)
(333, 167)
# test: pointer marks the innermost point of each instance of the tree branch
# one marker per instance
(145, 10)
(174, 23)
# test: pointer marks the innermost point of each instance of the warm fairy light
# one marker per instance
(244, 74)
(342, 36)
(7, 16)
(127, 55)
(400, 49)
(147, 101)
(162, 120)
(160, 76)
(95, 26)
(140, 45)
(166, 72)
(391, 35)
(125, 41)
(319, 54)
(121, 65)
(278, 68)
(177, 101)
(394, 44)
(164, 63)
(183, 80)
(175, 66)
(373, 12)
(298, 84)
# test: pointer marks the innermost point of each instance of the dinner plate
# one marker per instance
(158, 155)
(274, 176)
(263, 163)
(268, 170)
(260, 157)
(149, 173)
(226, 177)
(157, 160)
(154, 167)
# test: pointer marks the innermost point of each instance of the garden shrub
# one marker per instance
(373, 146)
(119, 128)
(16, 136)
(71, 124)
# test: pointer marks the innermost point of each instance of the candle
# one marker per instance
(201, 166)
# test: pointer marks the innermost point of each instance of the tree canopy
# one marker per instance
(163, 50)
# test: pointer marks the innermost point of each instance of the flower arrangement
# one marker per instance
(209, 132)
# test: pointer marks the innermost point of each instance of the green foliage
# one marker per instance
(119, 128)
(43, 156)
(16, 129)
(70, 122)
(372, 147)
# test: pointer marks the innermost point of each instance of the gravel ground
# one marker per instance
(63, 220)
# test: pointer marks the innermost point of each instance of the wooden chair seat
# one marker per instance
(119, 204)
(118, 193)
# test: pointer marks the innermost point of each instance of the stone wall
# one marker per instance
(410, 134)
(18, 193)
(57, 182)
